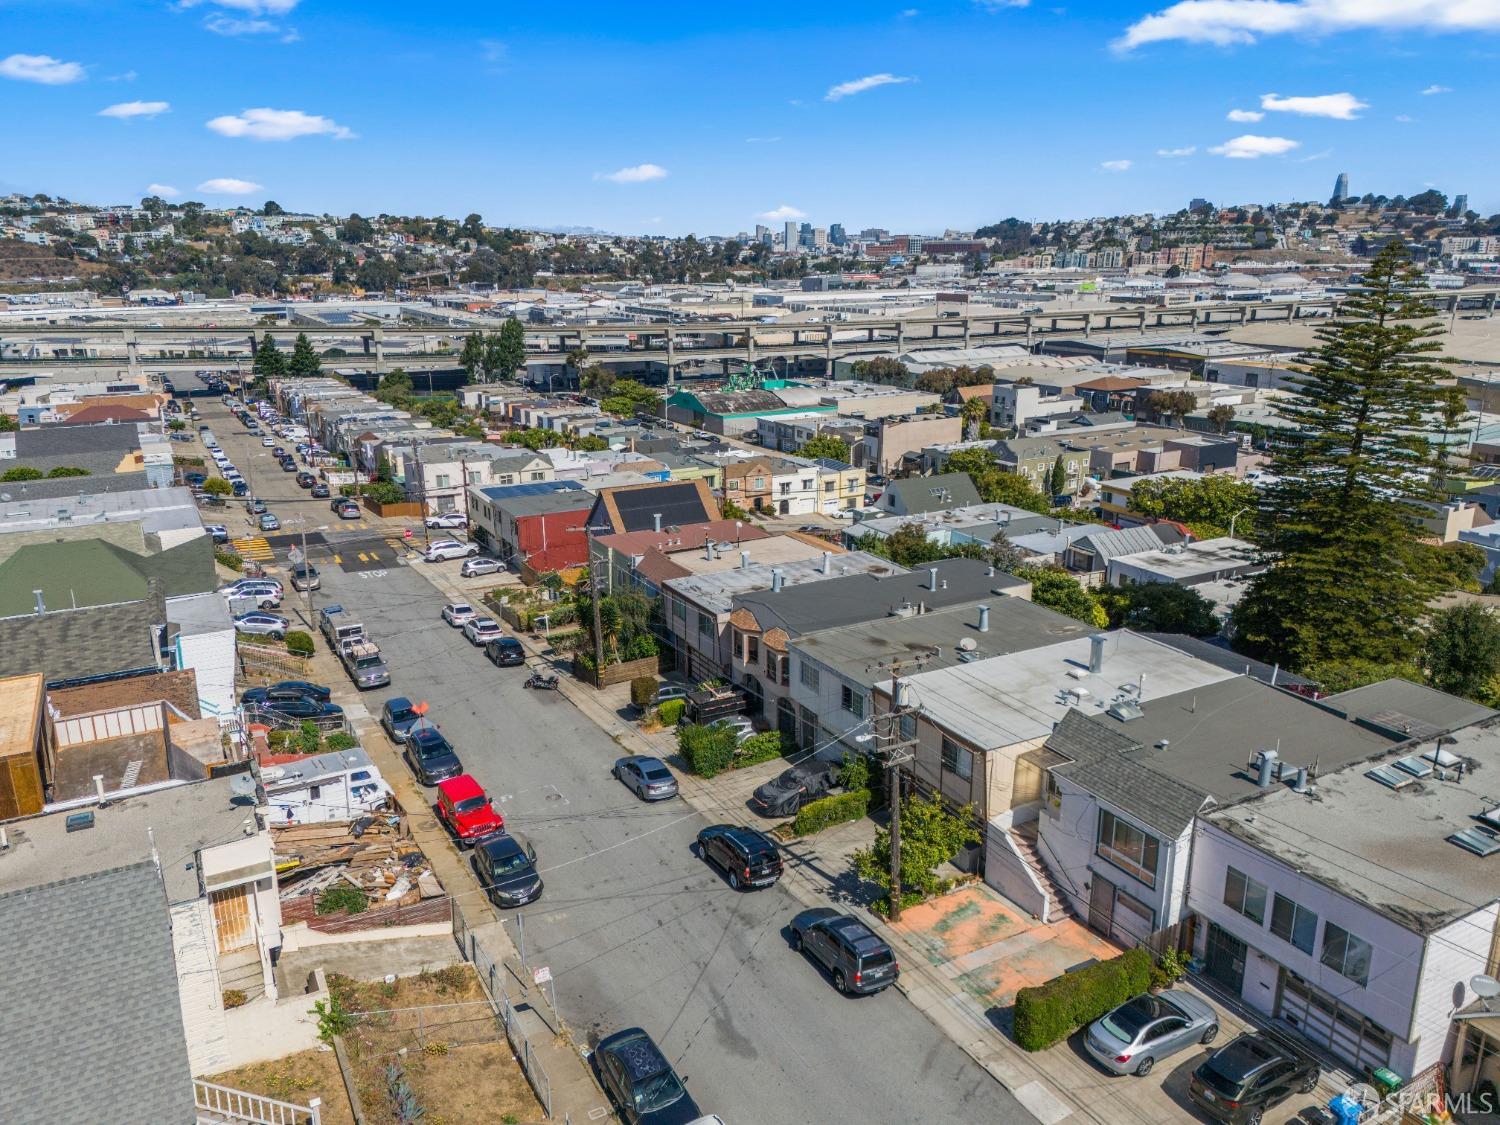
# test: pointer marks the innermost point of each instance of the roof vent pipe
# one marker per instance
(1300, 784)
(99, 787)
(656, 520)
(744, 559)
(984, 619)
(1265, 764)
(776, 580)
(41, 606)
(827, 562)
(932, 578)
(1096, 652)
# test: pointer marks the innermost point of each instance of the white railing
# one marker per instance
(238, 1105)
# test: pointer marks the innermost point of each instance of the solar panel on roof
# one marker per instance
(1480, 841)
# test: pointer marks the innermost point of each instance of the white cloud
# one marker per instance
(1427, 93)
(228, 185)
(997, 5)
(128, 76)
(166, 191)
(1115, 165)
(233, 26)
(126, 110)
(1251, 147)
(1230, 22)
(250, 7)
(1404, 118)
(762, 140)
(1341, 107)
(860, 85)
(278, 125)
(782, 214)
(910, 13)
(40, 68)
(635, 174)
(1173, 153)
(1244, 115)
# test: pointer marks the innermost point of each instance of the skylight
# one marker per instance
(1414, 766)
(1480, 841)
(1390, 777)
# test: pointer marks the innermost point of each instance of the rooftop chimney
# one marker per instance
(984, 619)
(656, 520)
(41, 606)
(744, 559)
(99, 787)
(932, 578)
(827, 562)
(1096, 652)
(776, 580)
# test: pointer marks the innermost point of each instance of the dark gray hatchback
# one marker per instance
(860, 963)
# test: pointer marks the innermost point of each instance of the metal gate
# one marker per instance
(1226, 958)
(232, 928)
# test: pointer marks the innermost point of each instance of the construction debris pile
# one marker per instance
(374, 853)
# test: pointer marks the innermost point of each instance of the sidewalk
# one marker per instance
(575, 1094)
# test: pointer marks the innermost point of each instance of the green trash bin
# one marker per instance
(1386, 1081)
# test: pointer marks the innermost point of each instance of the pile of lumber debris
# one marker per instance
(374, 853)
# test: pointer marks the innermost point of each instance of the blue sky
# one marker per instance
(674, 117)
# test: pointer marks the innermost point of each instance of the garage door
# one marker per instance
(1117, 915)
(1325, 1021)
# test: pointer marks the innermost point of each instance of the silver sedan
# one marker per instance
(1146, 1029)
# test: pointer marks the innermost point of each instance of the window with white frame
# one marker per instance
(1129, 848)
(808, 675)
(1346, 954)
(1245, 896)
(852, 701)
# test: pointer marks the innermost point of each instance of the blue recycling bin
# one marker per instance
(1346, 1110)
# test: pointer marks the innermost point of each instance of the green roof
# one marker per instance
(90, 572)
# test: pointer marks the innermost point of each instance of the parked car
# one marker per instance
(269, 522)
(458, 614)
(348, 510)
(287, 689)
(306, 480)
(1145, 1029)
(464, 807)
(648, 778)
(786, 793)
(1243, 1079)
(667, 692)
(288, 465)
(255, 506)
(319, 491)
(451, 520)
(478, 565)
(859, 962)
(267, 592)
(239, 487)
(505, 652)
(748, 858)
(194, 479)
(743, 728)
(482, 630)
(217, 532)
(506, 867)
(398, 716)
(262, 625)
(445, 549)
(299, 709)
(640, 1081)
(266, 441)
(430, 755)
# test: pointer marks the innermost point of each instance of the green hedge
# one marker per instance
(670, 712)
(828, 811)
(708, 751)
(1050, 1012)
(642, 691)
(759, 748)
(299, 643)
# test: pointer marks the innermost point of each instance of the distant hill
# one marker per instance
(23, 261)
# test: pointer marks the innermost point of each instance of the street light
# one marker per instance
(1236, 516)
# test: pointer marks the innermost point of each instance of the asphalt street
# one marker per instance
(636, 930)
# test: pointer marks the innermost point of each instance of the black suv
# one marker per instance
(1243, 1079)
(506, 866)
(860, 962)
(747, 858)
(506, 652)
(641, 1082)
(431, 756)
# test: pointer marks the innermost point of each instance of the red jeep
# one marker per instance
(466, 810)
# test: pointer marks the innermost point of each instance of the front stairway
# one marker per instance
(220, 1105)
(1024, 837)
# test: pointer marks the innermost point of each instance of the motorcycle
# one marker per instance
(541, 682)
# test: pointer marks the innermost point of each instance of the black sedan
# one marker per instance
(785, 794)
(506, 866)
(430, 755)
(287, 689)
(298, 709)
(641, 1082)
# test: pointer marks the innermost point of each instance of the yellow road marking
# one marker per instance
(363, 557)
(337, 561)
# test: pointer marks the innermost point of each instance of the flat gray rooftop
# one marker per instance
(1388, 848)
(1406, 709)
(716, 592)
(182, 818)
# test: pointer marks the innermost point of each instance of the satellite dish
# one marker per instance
(968, 644)
(242, 785)
(1484, 987)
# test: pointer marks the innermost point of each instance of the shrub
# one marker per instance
(670, 712)
(231, 559)
(828, 811)
(299, 643)
(759, 748)
(277, 739)
(854, 774)
(342, 898)
(642, 691)
(708, 751)
(1050, 1012)
(340, 740)
(308, 737)
(235, 997)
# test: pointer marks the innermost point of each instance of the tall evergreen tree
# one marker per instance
(1057, 481)
(512, 351)
(471, 359)
(304, 361)
(1349, 575)
(270, 362)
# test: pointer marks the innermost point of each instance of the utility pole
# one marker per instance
(416, 449)
(307, 576)
(896, 752)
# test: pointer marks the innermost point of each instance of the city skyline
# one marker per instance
(326, 108)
